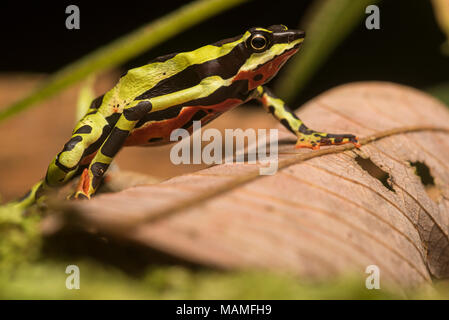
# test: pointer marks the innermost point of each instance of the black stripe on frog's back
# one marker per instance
(172, 55)
(225, 66)
(169, 113)
(237, 90)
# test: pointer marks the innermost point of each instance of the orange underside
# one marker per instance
(163, 129)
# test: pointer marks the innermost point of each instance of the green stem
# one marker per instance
(122, 50)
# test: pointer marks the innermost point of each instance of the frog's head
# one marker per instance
(263, 52)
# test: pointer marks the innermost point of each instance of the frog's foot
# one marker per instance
(81, 192)
(316, 139)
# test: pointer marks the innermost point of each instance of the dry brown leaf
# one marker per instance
(324, 213)
(118, 180)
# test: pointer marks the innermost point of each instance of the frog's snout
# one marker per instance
(295, 35)
(289, 36)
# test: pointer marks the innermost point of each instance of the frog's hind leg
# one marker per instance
(307, 138)
(87, 136)
(92, 176)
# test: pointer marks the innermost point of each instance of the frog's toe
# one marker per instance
(356, 142)
(315, 140)
(342, 139)
(306, 143)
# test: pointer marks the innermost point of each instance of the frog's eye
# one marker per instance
(258, 42)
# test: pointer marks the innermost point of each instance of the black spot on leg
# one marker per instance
(98, 169)
(72, 143)
(258, 77)
(94, 146)
(271, 109)
(61, 166)
(304, 129)
(114, 143)
(287, 125)
(84, 129)
(137, 112)
(89, 150)
(287, 109)
(96, 103)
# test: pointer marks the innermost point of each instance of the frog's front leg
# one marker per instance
(307, 138)
(93, 175)
(132, 113)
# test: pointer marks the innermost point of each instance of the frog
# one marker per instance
(172, 92)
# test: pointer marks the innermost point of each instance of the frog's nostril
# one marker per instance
(295, 35)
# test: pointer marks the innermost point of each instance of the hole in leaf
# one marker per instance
(374, 171)
(423, 172)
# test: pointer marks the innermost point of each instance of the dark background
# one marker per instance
(406, 49)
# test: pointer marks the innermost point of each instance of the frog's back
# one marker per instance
(183, 71)
(164, 75)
